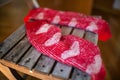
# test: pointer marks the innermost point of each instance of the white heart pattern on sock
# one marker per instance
(73, 51)
(55, 39)
(44, 28)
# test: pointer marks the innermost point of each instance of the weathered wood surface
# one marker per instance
(78, 32)
(45, 64)
(66, 30)
(30, 58)
(92, 37)
(26, 59)
(62, 71)
(9, 42)
(16, 53)
(79, 75)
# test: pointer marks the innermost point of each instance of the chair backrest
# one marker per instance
(82, 6)
(32, 3)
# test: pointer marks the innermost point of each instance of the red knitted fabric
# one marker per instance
(72, 19)
(69, 49)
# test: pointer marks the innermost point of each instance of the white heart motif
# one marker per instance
(73, 51)
(40, 16)
(92, 27)
(56, 19)
(55, 39)
(95, 67)
(73, 22)
(44, 28)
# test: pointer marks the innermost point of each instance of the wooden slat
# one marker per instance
(79, 75)
(62, 71)
(30, 58)
(9, 42)
(92, 37)
(16, 53)
(66, 30)
(45, 64)
(32, 4)
(78, 32)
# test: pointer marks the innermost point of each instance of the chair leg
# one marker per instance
(6, 71)
(11, 74)
(17, 76)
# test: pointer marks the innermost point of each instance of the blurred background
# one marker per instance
(12, 13)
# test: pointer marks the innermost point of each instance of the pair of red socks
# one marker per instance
(69, 49)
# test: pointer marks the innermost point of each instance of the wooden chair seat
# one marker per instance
(17, 53)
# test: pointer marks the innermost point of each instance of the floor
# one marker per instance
(110, 50)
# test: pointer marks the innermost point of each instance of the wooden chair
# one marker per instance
(17, 54)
